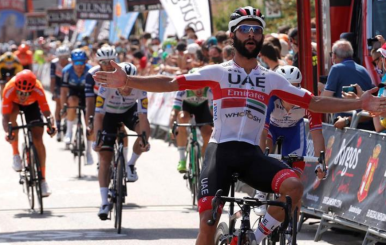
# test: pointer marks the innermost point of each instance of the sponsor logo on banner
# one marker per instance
(355, 210)
(99, 102)
(376, 215)
(332, 202)
(347, 158)
(61, 16)
(312, 197)
(94, 9)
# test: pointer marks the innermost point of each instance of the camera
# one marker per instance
(349, 89)
(371, 41)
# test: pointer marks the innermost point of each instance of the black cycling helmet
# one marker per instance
(245, 13)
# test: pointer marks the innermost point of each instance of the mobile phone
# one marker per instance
(349, 89)
(370, 41)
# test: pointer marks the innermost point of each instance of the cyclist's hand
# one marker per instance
(89, 131)
(53, 132)
(96, 147)
(9, 139)
(172, 136)
(319, 172)
(144, 148)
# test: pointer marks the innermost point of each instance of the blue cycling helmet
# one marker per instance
(78, 55)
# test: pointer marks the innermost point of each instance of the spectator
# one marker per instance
(269, 55)
(221, 37)
(228, 52)
(294, 41)
(289, 59)
(215, 55)
(345, 72)
(140, 61)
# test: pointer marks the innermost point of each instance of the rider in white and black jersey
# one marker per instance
(197, 103)
(114, 106)
(62, 59)
(239, 86)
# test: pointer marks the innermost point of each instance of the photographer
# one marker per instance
(345, 72)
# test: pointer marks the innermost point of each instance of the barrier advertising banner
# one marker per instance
(355, 187)
(122, 22)
(94, 9)
(195, 13)
(143, 5)
(64, 16)
(36, 21)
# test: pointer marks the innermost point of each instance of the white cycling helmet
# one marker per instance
(245, 13)
(63, 51)
(291, 73)
(129, 68)
(106, 53)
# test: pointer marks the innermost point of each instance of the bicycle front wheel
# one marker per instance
(196, 174)
(79, 150)
(221, 232)
(120, 193)
(38, 177)
(28, 177)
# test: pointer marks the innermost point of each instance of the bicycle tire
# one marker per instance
(249, 238)
(28, 177)
(38, 177)
(189, 173)
(294, 227)
(196, 174)
(78, 149)
(222, 231)
(120, 193)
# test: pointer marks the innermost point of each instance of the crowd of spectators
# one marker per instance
(174, 56)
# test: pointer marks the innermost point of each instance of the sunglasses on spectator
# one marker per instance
(247, 28)
(21, 93)
(104, 62)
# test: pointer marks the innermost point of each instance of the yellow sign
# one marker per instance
(99, 102)
(144, 103)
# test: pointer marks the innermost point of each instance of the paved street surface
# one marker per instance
(157, 209)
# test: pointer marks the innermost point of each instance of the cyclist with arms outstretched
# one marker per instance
(240, 86)
(25, 93)
(113, 106)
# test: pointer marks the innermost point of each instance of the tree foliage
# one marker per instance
(222, 9)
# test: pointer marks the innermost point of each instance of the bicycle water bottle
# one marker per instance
(234, 240)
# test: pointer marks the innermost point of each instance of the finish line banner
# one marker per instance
(355, 187)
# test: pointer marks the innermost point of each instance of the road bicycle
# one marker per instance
(193, 158)
(31, 173)
(78, 147)
(117, 188)
(243, 235)
(292, 230)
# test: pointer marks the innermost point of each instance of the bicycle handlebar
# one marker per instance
(249, 201)
(295, 158)
(100, 134)
(176, 124)
(30, 125)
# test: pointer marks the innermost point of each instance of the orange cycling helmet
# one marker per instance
(23, 48)
(25, 81)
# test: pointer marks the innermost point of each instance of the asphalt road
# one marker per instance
(157, 209)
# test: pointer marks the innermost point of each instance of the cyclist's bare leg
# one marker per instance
(182, 117)
(13, 118)
(206, 131)
(2, 85)
(206, 233)
(104, 168)
(292, 187)
(37, 138)
(57, 109)
(71, 113)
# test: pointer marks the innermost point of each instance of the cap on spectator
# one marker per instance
(211, 41)
(192, 48)
(181, 46)
(382, 50)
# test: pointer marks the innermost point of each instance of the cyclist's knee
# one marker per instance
(292, 187)
(183, 117)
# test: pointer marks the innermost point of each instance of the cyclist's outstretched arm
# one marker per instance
(119, 79)
(318, 140)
